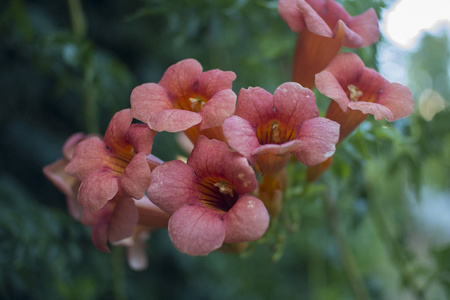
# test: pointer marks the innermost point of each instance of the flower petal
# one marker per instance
(214, 158)
(196, 230)
(123, 220)
(241, 136)
(135, 178)
(328, 85)
(320, 136)
(294, 104)
(148, 99)
(180, 79)
(247, 220)
(172, 186)
(315, 23)
(214, 81)
(255, 105)
(140, 136)
(379, 111)
(173, 120)
(217, 109)
(398, 99)
(117, 132)
(97, 189)
(366, 26)
(89, 156)
(291, 14)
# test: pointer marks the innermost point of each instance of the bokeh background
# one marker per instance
(376, 226)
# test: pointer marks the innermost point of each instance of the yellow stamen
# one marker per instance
(224, 188)
(196, 103)
(276, 132)
(355, 93)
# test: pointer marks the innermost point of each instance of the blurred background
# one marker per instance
(376, 226)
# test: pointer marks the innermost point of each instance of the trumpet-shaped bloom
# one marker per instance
(122, 221)
(358, 91)
(68, 185)
(324, 27)
(268, 129)
(208, 198)
(186, 99)
(116, 166)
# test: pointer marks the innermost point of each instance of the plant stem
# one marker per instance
(77, 18)
(117, 254)
(356, 283)
(396, 253)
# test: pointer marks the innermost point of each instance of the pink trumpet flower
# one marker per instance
(323, 28)
(208, 199)
(268, 129)
(116, 166)
(186, 99)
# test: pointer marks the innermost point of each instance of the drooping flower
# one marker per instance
(324, 27)
(122, 218)
(208, 198)
(357, 92)
(68, 185)
(268, 129)
(186, 99)
(116, 166)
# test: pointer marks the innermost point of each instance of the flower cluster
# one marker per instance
(231, 186)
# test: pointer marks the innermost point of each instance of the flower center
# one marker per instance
(118, 161)
(217, 193)
(193, 103)
(274, 132)
(355, 93)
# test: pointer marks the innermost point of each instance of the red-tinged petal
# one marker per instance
(328, 85)
(99, 221)
(346, 68)
(214, 158)
(136, 177)
(241, 136)
(240, 174)
(366, 26)
(173, 185)
(56, 174)
(147, 100)
(196, 230)
(71, 143)
(275, 149)
(141, 138)
(217, 109)
(214, 81)
(255, 105)
(247, 220)
(398, 99)
(379, 111)
(294, 104)
(117, 131)
(123, 220)
(320, 136)
(150, 215)
(209, 157)
(68, 185)
(174, 120)
(97, 189)
(89, 156)
(99, 237)
(313, 21)
(180, 79)
(350, 39)
(291, 14)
